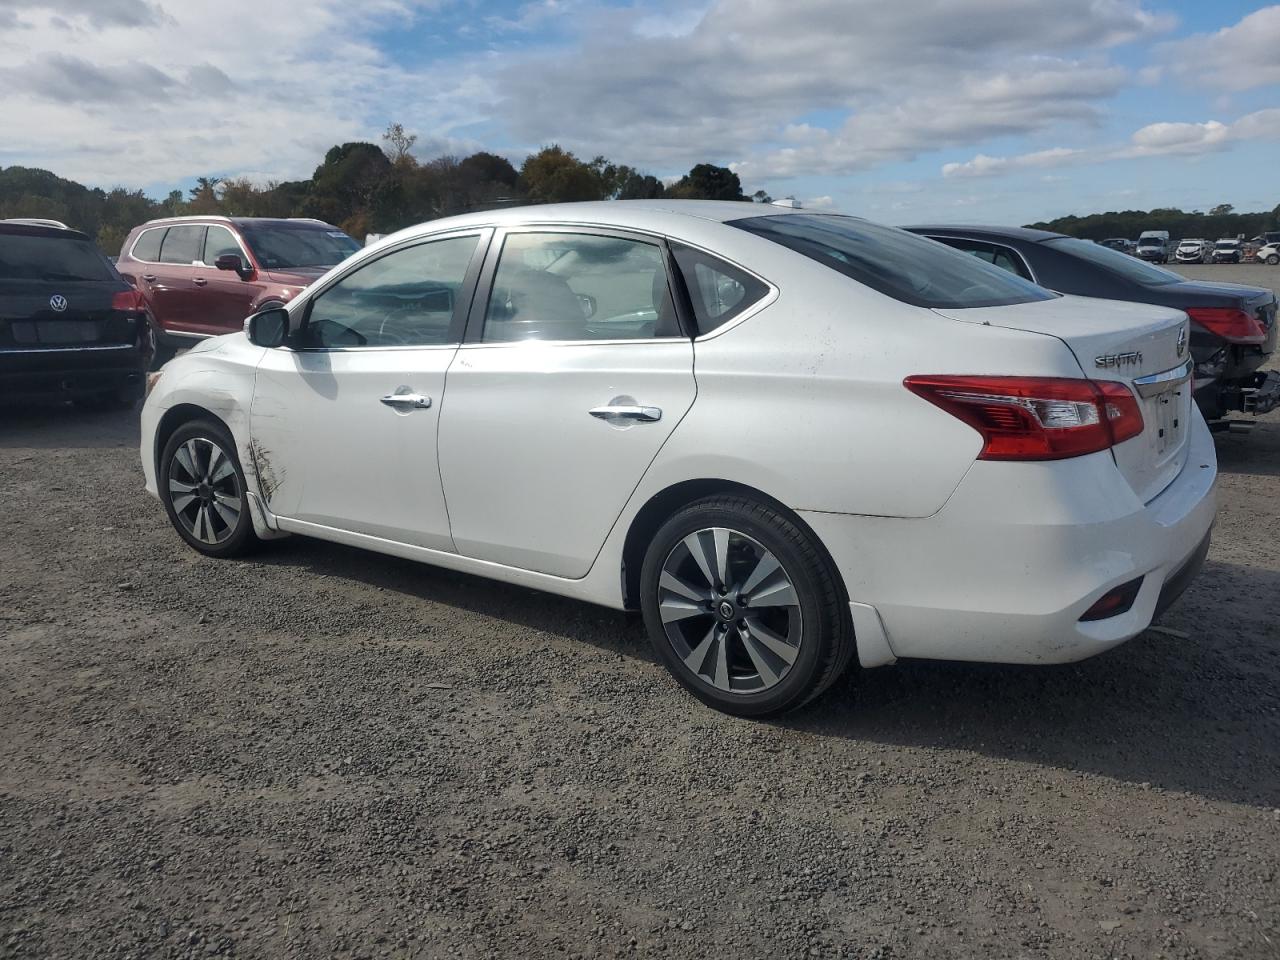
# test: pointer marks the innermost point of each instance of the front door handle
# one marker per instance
(199, 281)
(149, 277)
(626, 411)
(414, 401)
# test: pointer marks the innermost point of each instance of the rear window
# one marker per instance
(898, 264)
(279, 247)
(51, 258)
(1119, 263)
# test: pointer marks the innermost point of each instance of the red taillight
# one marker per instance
(1036, 418)
(1229, 323)
(127, 301)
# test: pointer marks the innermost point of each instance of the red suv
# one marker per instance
(201, 276)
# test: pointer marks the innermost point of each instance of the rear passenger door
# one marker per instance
(574, 372)
(171, 287)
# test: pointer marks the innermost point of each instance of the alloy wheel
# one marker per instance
(205, 490)
(730, 610)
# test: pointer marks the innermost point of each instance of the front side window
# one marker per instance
(220, 241)
(405, 298)
(1131, 268)
(567, 286)
(719, 291)
(281, 247)
(898, 264)
(182, 244)
(26, 257)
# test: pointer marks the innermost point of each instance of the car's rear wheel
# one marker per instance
(203, 489)
(744, 608)
(1273, 260)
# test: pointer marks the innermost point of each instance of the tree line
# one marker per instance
(362, 188)
(1219, 222)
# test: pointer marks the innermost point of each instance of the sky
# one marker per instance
(998, 111)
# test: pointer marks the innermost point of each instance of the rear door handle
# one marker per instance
(149, 277)
(413, 401)
(627, 412)
(199, 281)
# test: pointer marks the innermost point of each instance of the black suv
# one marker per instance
(70, 326)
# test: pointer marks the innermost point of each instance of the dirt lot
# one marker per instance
(323, 752)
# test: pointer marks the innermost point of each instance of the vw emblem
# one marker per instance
(58, 302)
(1182, 341)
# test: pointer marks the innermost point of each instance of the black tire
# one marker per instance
(826, 642)
(1273, 260)
(213, 536)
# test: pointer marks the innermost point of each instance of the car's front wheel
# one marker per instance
(744, 608)
(203, 489)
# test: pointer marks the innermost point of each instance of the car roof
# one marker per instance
(656, 215)
(983, 232)
(13, 229)
(200, 218)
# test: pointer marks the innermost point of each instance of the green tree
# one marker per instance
(204, 196)
(1222, 210)
(708, 182)
(554, 175)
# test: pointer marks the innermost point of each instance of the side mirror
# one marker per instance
(231, 261)
(270, 328)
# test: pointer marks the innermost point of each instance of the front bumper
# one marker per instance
(1006, 569)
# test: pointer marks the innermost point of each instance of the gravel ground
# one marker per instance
(323, 752)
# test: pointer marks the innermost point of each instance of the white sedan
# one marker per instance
(788, 438)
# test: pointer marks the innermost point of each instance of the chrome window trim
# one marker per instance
(507, 344)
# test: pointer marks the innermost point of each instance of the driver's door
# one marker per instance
(344, 420)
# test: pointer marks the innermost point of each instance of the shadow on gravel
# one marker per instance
(574, 620)
(1198, 714)
(1256, 453)
(55, 425)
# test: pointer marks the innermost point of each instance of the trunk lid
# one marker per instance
(30, 319)
(1142, 346)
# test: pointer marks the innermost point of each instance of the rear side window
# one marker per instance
(898, 264)
(182, 244)
(1002, 257)
(148, 245)
(51, 258)
(719, 291)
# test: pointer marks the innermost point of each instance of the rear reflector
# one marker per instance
(1115, 601)
(1229, 323)
(127, 301)
(1035, 418)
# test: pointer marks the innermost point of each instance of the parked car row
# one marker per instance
(1155, 246)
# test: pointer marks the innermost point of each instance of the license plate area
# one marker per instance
(1171, 419)
(55, 332)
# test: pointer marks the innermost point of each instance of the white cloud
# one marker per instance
(731, 87)
(133, 93)
(1239, 57)
(1153, 140)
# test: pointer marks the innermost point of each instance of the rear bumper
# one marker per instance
(73, 373)
(1004, 572)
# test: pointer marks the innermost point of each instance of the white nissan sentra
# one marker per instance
(786, 437)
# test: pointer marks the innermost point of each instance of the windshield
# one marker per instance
(898, 264)
(1118, 263)
(37, 257)
(281, 247)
